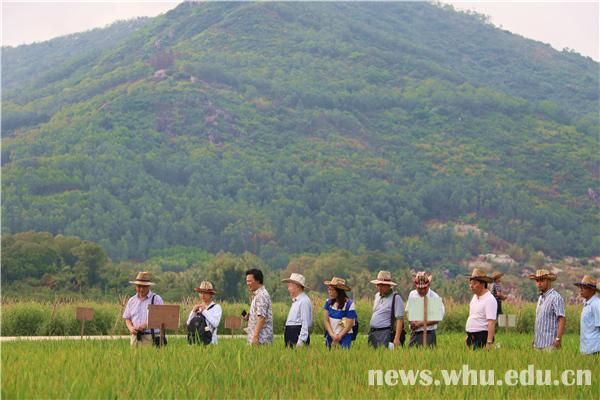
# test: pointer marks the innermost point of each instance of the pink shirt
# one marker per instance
(481, 309)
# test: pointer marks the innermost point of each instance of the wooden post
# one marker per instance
(425, 320)
(82, 327)
(162, 334)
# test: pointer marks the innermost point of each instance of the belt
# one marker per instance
(380, 329)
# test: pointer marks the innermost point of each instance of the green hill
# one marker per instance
(282, 128)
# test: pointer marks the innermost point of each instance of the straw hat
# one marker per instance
(298, 279)
(384, 278)
(338, 283)
(422, 279)
(143, 279)
(497, 275)
(480, 275)
(205, 287)
(589, 282)
(541, 274)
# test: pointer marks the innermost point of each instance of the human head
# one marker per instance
(588, 287)
(206, 291)
(384, 282)
(254, 279)
(543, 279)
(296, 284)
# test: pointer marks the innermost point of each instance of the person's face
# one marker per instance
(423, 291)
(205, 297)
(252, 283)
(142, 290)
(294, 289)
(383, 289)
(542, 284)
(331, 292)
(586, 292)
(475, 286)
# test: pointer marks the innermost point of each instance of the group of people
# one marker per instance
(386, 326)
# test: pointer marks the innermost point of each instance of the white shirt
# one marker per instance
(136, 309)
(213, 318)
(430, 295)
(481, 309)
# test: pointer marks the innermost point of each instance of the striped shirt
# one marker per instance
(300, 314)
(550, 306)
(590, 326)
(136, 309)
(338, 317)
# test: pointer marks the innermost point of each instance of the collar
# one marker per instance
(259, 289)
(546, 293)
(391, 292)
(147, 296)
(294, 299)
(591, 299)
(483, 294)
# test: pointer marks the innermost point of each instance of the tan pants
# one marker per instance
(146, 340)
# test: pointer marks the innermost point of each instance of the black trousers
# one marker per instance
(416, 339)
(291, 335)
(477, 340)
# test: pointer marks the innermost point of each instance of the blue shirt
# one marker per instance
(337, 317)
(550, 306)
(590, 326)
(300, 314)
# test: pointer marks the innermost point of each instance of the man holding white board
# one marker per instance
(422, 330)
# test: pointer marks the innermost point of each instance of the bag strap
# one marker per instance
(393, 317)
(152, 329)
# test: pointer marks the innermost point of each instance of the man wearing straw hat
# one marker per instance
(481, 324)
(422, 282)
(136, 312)
(589, 340)
(208, 309)
(497, 290)
(549, 313)
(385, 328)
(300, 316)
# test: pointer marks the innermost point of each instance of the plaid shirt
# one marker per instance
(550, 306)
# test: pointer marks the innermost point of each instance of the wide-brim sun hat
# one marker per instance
(143, 279)
(338, 283)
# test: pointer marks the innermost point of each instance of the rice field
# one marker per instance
(112, 370)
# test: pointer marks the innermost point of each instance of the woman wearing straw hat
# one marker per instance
(339, 314)
(549, 313)
(136, 312)
(481, 324)
(207, 308)
(589, 341)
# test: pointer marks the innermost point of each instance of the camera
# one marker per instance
(138, 335)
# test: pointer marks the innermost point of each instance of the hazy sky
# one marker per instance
(562, 24)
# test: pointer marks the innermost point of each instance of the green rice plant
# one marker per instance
(232, 369)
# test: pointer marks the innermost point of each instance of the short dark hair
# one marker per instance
(256, 273)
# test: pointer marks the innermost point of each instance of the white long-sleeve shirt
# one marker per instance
(301, 314)
(213, 318)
